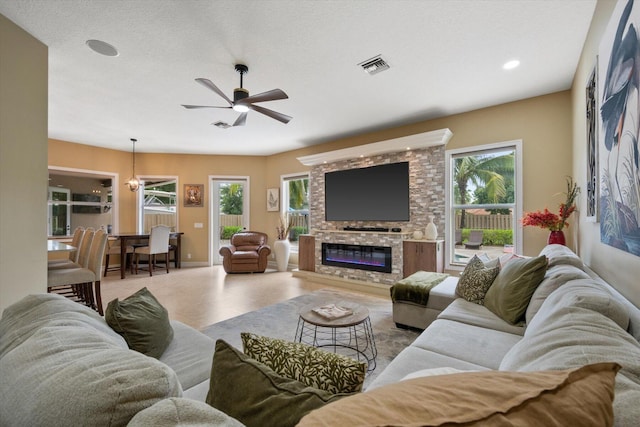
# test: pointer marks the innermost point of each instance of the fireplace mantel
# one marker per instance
(401, 234)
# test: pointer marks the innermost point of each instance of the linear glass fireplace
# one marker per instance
(372, 258)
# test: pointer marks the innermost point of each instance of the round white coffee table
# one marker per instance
(351, 335)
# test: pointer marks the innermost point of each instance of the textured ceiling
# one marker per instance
(446, 57)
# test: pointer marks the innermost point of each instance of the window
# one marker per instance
(483, 202)
(80, 198)
(295, 205)
(157, 203)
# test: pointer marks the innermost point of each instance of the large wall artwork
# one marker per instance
(619, 102)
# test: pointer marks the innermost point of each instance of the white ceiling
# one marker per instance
(446, 57)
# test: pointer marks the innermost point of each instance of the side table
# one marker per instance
(350, 336)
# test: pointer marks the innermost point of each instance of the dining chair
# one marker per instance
(158, 244)
(113, 248)
(78, 233)
(82, 284)
(83, 253)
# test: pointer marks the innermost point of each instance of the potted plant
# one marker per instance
(555, 222)
(282, 246)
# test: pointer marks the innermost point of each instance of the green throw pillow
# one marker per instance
(255, 395)
(142, 321)
(512, 289)
(321, 369)
(475, 280)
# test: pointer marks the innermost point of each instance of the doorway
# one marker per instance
(229, 211)
(59, 223)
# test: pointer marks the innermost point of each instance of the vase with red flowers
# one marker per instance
(555, 222)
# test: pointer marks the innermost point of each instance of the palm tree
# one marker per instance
(298, 193)
(486, 171)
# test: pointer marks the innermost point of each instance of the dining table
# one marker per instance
(126, 237)
(57, 246)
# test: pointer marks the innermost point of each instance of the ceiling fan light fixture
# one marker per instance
(510, 65)
(240, 108)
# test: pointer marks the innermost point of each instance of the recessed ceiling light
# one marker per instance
(102, 48)
(510, 65)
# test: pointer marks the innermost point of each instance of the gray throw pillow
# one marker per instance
(511, 291)
(142, 321)
(475, 280)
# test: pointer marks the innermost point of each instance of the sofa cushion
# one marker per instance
(189, 355)
(561, 255)
(142, 321)
(555, 277)
(31, 313)
(475, 280)
(178, 411)
(473, 314)
(510, 293)
(314, 367)
(472, 344)
(72, 374)
(412, 359)
(571, 331)
(553, 398)
(255, 395)
(583, 293)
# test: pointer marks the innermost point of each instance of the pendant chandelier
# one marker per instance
(133, 183)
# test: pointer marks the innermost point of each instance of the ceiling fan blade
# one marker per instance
(191, 107)
(241, 120)
(208, 84)
(271, 95)
(273, 114)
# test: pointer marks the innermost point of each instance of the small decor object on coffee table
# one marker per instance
(350, 335)
(332, 311)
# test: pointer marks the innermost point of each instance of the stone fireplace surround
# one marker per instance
(426, 198)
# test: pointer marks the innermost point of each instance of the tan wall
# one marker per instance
(23, 163)
(619, 268)
(190, 169)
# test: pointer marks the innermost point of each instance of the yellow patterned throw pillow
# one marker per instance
(317, 368)
(475, 280)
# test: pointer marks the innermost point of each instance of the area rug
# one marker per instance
(280, 321)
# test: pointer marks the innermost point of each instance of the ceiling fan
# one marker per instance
(242, 102)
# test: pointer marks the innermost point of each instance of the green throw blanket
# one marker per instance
(416, 287)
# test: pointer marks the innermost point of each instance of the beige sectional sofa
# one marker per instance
(573, 319)
(61, 365)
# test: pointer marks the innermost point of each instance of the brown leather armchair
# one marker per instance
(247, 253)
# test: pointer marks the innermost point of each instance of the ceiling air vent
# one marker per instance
(374, 65)
(222, 125)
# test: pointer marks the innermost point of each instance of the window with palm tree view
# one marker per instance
(295, 199)
(483, 210)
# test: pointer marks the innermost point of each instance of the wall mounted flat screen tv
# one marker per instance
(376, 193)
(86, 208)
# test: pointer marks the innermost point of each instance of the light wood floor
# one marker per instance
(201, 296)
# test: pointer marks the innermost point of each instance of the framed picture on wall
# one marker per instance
(193, 195)
(592, 147)
(273, 200)
(618, 130)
